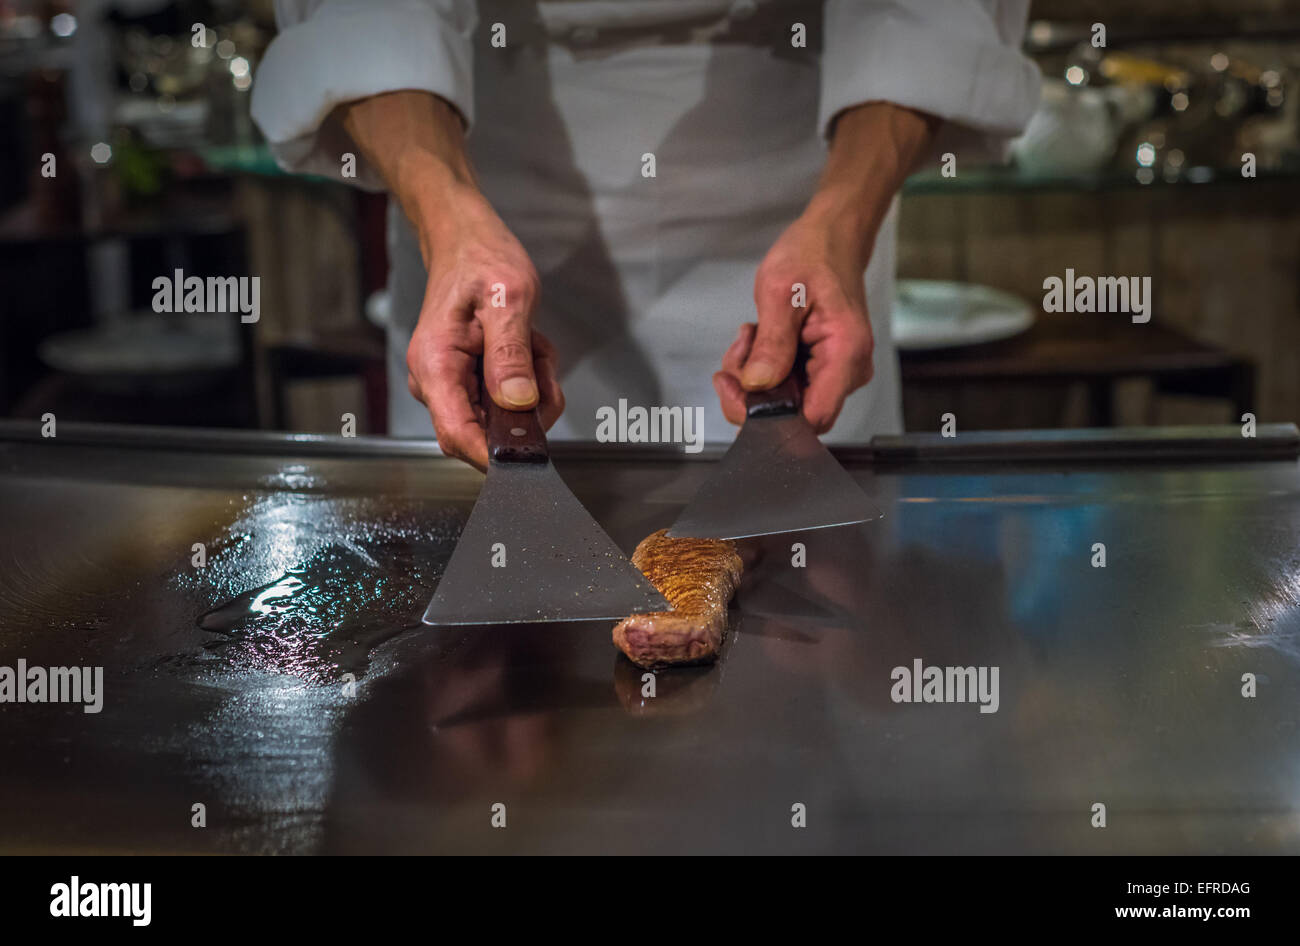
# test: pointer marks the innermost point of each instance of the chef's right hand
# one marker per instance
(482, 286)
(478, 302)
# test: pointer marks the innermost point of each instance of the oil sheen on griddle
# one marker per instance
(333, 580)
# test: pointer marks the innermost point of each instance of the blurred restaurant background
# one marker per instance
(1132, 166)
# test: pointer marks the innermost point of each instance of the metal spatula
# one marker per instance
(530, 552)
(776, 477)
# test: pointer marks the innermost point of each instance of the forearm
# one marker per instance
(417, 142)
(875, 147)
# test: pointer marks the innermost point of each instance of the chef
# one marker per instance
(654, 201)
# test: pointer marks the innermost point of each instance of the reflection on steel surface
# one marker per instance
(1116, 685)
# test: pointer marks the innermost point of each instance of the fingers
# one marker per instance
(443, 374)
(731, 395)
(734, 357)
(546, 367)
(828, 386)
(449, 390)
(839, 363)
(508, 350)
(772, 355)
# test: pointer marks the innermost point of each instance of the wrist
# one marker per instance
(849, 218)
(874, 147)
(416, 140)
(438, 199)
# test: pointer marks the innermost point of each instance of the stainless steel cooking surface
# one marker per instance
(228, 685)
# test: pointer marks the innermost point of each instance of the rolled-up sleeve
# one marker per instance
(959, 60)
(333, 51)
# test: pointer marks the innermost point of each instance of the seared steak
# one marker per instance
(698, 577)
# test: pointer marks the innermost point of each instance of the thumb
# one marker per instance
(772, 356)
(508, 362)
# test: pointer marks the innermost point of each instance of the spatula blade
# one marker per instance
(559, 565)
(776, 477)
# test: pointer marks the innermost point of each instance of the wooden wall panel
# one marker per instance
(1224, 260)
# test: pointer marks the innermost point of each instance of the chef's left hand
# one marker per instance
(874, 147)
(819, 259)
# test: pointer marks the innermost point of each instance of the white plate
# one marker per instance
(144, 350)
(933, 313)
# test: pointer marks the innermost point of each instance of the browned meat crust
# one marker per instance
(698, 577)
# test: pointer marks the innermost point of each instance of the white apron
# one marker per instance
(645, 281)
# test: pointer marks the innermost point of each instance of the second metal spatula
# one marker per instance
(776, 477)
(530, 552)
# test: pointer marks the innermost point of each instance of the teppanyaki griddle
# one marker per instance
(1120, 684)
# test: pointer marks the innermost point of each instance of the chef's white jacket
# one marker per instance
(646, 279)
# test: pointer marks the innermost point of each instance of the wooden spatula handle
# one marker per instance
(513, 436)
(786, 397)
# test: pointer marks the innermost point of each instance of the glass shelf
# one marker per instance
(994, 179)
(256, 159)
